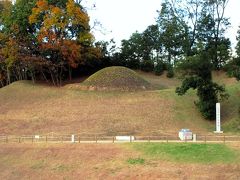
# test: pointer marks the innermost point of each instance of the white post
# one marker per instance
(73, 139)
(218, 119)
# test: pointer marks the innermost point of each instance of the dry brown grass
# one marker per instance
(29, 109)
(221, 78)
(38, 109)
(95, 161)
(35, 110)
(160, 82)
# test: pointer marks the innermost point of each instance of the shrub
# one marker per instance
(147, 66)
(170, 72)
(159, 68)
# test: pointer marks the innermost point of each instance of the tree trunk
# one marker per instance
(44, 75)
(70, 73)
(1, 82)
(32, 75)
(52, 78)
(8, 76)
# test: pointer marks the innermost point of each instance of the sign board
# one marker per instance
(185, 134)
(125, 138)
(218, 119)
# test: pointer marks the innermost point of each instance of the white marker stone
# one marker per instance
(218, 119)
(73, 139)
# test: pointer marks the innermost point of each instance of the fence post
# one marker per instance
(113, 139)
(130, 139)
(19, 140)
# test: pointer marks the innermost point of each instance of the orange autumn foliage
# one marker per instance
(58, 27)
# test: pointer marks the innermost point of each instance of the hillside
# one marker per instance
(27, 108)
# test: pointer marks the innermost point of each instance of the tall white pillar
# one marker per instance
(218, 119)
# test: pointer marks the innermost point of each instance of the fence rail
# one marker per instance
(111, 139)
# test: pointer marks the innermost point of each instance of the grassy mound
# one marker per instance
(117, 77)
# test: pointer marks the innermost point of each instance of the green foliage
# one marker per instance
(197, 71)
(160, 68)
(137, 51)
(131, 51)
(172, 35)
(191, 153)
(233, 67)
(134, 161)
(170, 72)
(147, 66)
(238, 43)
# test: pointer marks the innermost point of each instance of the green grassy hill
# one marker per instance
(113, 78)
(27, 108)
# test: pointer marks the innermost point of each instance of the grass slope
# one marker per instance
(36, 109)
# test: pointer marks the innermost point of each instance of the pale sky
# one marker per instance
(121, 18)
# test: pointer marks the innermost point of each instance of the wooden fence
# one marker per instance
(111, 139)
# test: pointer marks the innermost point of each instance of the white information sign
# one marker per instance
(125, 138)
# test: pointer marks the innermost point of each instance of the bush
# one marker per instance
(147, 66)
(159, 68)
(170, 72)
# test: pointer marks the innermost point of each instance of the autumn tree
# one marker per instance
(18, 41)
(63, 34)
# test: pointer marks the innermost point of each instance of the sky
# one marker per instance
(121, 18)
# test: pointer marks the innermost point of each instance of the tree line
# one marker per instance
(188, 38)
(43, 39)
(51, 40)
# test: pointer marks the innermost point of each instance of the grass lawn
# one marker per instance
(191, 153)
(113, 161)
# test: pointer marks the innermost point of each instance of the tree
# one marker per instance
(216, 10)
(188, 13)
(233, 67)
(206, 24)
(18, 41)
(197, 72)
(131, 51)
(138, 50)
(63, 34)
(172, 30)
(238, 43)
